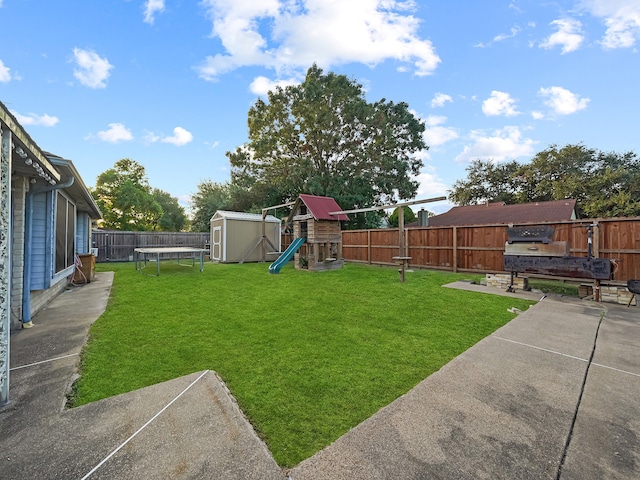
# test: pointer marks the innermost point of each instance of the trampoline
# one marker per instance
(155, 254)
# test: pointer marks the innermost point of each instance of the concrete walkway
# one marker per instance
(553, 394)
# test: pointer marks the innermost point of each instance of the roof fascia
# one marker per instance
(21, 134)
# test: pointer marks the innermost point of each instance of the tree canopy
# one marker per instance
(409, 216)
(174, 218)
(213, 196)
(323, 138)
(605, 184)
(128, 203)
(210, 197)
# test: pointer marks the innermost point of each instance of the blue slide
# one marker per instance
(286, 255)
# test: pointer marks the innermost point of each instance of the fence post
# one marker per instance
(596, 239)
(454, 262)
(369, 246)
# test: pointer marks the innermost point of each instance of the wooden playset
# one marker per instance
(321, 230)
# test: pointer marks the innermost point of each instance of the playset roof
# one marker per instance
(320, 207)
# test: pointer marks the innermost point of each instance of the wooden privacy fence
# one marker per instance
(480, 248)
(116, 246)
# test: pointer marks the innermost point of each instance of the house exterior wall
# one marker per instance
(39, 240)
(83, 233)
(46, 283)
(20, 187)
(41, 298)
(26, 216)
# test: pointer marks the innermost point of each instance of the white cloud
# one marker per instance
(504, 36)
(440, 99)
(563, 101)
(179, 138)
(514, 6)
(5, 72)
(501, 37)
(150, 9)
(537, 115)
(150, 137)
(117, 132)
(287, 36)
(430, 186)
(569, 35)
(435, 134)
(622, 19)
(262, 85)
(35, 119)
(91, 70)
(499, 103)
(503, 144)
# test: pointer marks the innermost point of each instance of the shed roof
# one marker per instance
(250, 217)
(500, 212)
(320, 207)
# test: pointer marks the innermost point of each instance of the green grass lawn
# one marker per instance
(307, 355)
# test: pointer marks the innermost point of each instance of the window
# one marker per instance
(65, 231)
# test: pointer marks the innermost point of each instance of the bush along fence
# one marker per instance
(480, 248)
(117, 246)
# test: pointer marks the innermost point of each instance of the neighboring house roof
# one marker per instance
(500, 212)
(251, 217)
(320, 207)
(77, 190)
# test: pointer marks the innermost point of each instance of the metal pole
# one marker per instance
(386, 207)
(264, 236)
(5, 261)
(401, 231)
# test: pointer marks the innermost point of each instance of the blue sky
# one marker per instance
(168, 83)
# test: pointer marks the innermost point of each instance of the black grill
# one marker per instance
(572, 267)
(535, 234)
(517, 260)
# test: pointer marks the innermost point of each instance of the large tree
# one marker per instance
(174, 218)
(487, 181)
(124, 197)
(322, 137)
(212, 196)
(605, 184)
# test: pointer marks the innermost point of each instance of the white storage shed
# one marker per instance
(235, 235)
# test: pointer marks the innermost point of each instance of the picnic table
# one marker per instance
(143, 255)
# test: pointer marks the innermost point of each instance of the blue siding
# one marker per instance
(82, 233)
(39, 242)
(43, 243)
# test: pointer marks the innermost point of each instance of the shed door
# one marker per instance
(216, 244)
